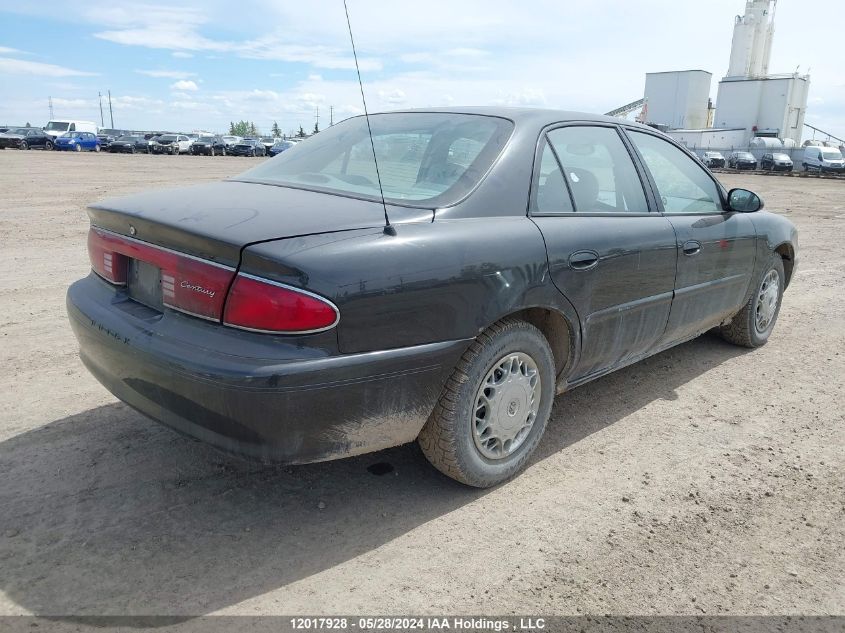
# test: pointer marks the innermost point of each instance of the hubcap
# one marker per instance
(767, 301)
(506, 406)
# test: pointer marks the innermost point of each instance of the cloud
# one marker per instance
(185, 84)
(169, 74)
(181, 54)
(5, 50)
(9, 66)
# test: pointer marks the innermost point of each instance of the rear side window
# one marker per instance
(550, 194)
(598, 170)
(684, 187)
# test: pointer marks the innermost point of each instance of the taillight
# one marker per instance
(188, 284)
(261, 305)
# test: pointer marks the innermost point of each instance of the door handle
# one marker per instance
(692, 247)
(582, 260)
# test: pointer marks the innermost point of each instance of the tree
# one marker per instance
(27, 124)
(243, 128)
(301, 133)
(316, 127)
(275, 130)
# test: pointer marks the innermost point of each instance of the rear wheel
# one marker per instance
(24, 145)
(77, 147)
(753, 324)
(48, 145)
(494, 408)
(211, 152)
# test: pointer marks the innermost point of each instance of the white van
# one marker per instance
(823, 159)
(57, 128)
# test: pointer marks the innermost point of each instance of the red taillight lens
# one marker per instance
(265, 306)
(188, 284)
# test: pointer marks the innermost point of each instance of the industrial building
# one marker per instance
(750, 103)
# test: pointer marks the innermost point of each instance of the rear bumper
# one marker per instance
(265, 397)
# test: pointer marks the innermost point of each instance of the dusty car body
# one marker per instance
(277, 315)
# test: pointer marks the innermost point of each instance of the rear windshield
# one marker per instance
(425, 159)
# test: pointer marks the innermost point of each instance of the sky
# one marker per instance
(199, 64)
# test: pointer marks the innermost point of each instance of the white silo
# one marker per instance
(751, 47)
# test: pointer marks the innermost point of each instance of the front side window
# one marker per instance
(431, 159)
(598, 170)
(682, 185)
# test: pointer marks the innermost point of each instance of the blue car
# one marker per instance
(280, 146)
(78, 141)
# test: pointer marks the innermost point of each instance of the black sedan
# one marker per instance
(293, 314)
(281, 146)
(129, 144)
(209, 146)
(742, 160)
(248, 147)
(776, 161)
(25, 138)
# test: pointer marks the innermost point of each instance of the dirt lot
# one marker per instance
(707, 479)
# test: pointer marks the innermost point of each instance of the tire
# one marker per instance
(449, 439)
(211, 152)
(744, 328)
(96, 148)
(48, 145)
(77, 147)
(23, 145)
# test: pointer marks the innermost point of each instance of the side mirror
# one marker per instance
(744, 201)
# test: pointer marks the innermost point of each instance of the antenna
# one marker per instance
(102, 120)
(50, 105)
(388, 228)
(111, 114)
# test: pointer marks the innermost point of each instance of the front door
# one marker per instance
(612, 258)
(716, 248)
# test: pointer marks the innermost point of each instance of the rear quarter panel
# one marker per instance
(432, 281)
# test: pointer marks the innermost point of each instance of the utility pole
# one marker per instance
(331, 115)
(111, 113)
(50, 103)
(102, 120)
(317, 121)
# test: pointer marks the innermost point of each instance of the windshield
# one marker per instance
(780, 157)
(57, 126)
(167, 137)
(832, 154)
(21, 130)
(434, 158)
(128, 138)
(744, 155)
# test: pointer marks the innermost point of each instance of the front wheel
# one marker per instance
(77, 148)
(753, 324)
(24, 145)
(494, 408)
(96, 148)
(48, 145)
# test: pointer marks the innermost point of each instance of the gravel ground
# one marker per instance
(707, 479)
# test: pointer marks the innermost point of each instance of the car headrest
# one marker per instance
(585, 188)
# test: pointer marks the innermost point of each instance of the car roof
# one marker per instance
(518, 115)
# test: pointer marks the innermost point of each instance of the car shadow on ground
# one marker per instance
(105, 512)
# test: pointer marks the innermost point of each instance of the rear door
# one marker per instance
(715, 248)
(611, 256)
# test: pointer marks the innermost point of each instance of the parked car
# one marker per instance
(128, 144)
(248, 147)
(209, 146)
(107, 135)
(25, 138)
(231, 140)
(776, 161)
(713, 159)
(742, 160)
(268, 142)
(77, 142)
(823, 159)
(280, 146)
(171, 144)
(58, 128)
(297, 318)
